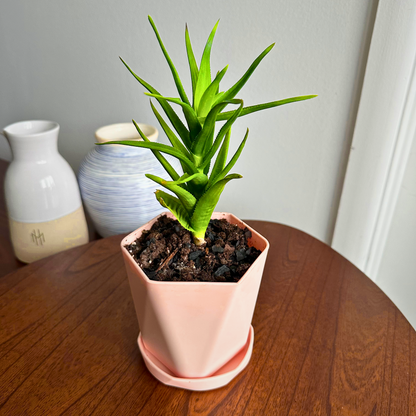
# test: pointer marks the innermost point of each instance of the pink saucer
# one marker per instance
(222, 377)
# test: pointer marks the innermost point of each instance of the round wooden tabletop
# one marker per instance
(327, 340)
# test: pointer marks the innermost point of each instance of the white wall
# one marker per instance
(59, 61)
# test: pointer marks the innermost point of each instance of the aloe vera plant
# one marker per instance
(195, 143)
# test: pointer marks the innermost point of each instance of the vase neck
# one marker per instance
(33, 140)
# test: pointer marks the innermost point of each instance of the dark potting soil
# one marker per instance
(166, 252)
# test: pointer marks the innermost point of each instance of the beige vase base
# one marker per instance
(34, 241)
(219, 379)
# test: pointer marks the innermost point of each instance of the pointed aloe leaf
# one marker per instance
(207, 167)
(172, 138)
(218, 87)
(204, 77)
(222, 156)
(173, 117)
(175, 206)
(259, 107)
(207, 129)
(209, 94)
(170, 134)
(231, 163)
(156, 146)
(187, 199)
(191, 118)
(193, 67)
(167, 166)
(207, 148)
(224, 129)
(197, 179)
(231, 93)
(219, 96)
(206, 205)
(170, 63)
(185, 178)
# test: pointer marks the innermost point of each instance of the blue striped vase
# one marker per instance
(115, 191)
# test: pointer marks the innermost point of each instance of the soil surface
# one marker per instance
(166, 252)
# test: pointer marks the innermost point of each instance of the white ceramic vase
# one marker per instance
(116, 193)
(42, 195)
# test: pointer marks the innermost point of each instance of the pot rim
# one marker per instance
(132, 236)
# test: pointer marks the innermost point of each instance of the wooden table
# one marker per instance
(327, 340)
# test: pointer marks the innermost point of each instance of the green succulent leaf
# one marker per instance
(158, 147)
(224, 129)
(210, 93)
(170, 134)
(207, 167)
(185, 178)
(231, 93)
(166, 165)
(175, 206)
(207, 130)
(219, 96)
(221, 159)
(172, 116)
(186, 198)
(206, 205)
(193, 67)
(190, 115)
(259, 107)
(207, 147)
(231, 163)
(170, 63)
(204, 76)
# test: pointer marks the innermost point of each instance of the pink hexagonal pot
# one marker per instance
(194, 328)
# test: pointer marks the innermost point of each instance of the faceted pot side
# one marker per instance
(194, 328)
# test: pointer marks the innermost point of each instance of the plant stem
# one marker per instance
(199, 241)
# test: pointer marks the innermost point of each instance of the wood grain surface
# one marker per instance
(327, 340)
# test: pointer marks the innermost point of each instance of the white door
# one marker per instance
(376, 222)
(397, 272)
